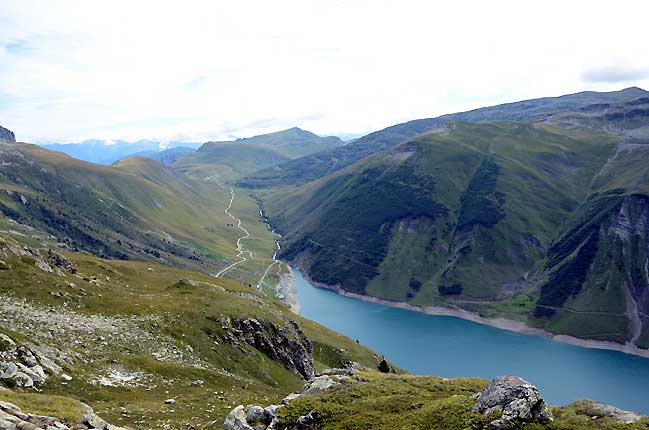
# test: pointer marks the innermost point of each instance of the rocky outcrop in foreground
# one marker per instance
(25, 366)
(13, 418)
(287, 345)
(516, 399)
(7, 135)
(625, 417)
(253, 417)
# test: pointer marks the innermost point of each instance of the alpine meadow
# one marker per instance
(317, 216)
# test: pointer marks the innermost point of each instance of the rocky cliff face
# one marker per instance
(600, 266)
(287, 345)
(7, 135)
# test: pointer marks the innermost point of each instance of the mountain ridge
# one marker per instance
(306, 169)
(232, 159)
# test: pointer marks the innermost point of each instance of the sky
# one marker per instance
(203, 70)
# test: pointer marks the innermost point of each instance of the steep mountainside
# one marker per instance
(233, 159)
(543, 220)
(305, 169)
(137, 209)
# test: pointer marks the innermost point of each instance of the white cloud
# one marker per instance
(614, 73)
(202, 70)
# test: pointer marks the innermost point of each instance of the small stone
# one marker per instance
(306, 422)
(8, 370)
(170, 401)
(94, 421)
(6, 343)
(22, 380)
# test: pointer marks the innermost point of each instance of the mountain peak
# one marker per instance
(295, 131)
(633, 89)
(7, 135)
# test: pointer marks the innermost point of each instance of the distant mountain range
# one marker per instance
(232, 159)
(305, 169)
(107, 152)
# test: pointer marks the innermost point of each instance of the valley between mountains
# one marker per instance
(155, 292)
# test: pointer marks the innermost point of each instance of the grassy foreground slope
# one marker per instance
(133, 335)
(381, 401)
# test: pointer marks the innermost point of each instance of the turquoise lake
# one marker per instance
(451, 347)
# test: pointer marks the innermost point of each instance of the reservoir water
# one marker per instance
(451, 347)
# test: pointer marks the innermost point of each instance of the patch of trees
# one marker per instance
(480, 203)
(449, 290)
(567, 280)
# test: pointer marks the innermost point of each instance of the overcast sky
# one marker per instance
(204, 70)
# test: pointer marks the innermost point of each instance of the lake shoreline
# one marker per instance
(286, 287)
(499, 323)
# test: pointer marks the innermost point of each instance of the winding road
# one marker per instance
(275, 260)
(240, 249)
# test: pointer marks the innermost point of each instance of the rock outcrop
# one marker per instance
(7, 135)
(25, 366)
(13, 418)
(516, 399)
(253, 417)
(625, 417)
(287, 345)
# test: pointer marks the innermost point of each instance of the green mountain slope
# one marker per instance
(303, 170)
(137, 209)
(543, 220)
(124, 337)
(233, 159)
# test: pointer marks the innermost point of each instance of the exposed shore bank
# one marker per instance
(500, 323)
(286, 288)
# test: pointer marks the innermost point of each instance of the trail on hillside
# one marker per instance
(239, 249)
(275, 260)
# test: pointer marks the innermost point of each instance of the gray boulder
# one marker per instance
(236, 420)
(26, 357)
(306, 422)
(8, 370)
(319, 384)
(516, 399)
(256, 414)
(23, 380)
